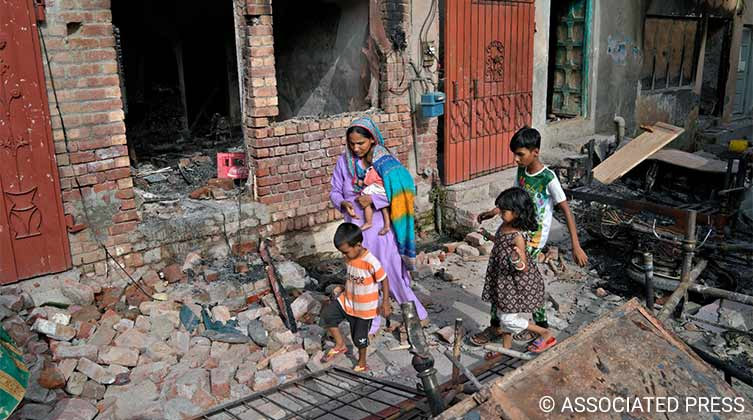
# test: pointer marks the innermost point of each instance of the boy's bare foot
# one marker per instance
(366, 226)
(384, 230)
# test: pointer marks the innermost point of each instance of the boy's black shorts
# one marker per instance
(333, 314)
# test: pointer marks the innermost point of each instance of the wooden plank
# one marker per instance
(636, 152)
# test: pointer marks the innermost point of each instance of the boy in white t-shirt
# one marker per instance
(546, 192)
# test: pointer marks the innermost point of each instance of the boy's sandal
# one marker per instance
(484, 337)
(525, 336)
(333, 353)
(361, 369)
(541, 345)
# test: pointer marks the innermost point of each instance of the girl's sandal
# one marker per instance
(361, 369)
(484, 337)
(333, 353)
(541, 345)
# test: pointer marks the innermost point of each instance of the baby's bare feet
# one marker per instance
(384, 230)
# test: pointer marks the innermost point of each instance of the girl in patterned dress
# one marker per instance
(513, 282)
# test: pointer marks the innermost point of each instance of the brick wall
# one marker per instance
(80, 44)
(293, 160)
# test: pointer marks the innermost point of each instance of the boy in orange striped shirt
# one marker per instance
(357, 301)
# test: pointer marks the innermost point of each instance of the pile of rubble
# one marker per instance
(122, 352)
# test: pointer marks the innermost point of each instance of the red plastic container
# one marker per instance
(232, 165)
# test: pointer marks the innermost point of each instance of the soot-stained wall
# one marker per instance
(320, 65)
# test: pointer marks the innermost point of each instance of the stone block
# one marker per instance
(67, 351)
(220, 380)
(93, 391)
(134, 339)
(289, 361)
(264, 380)
(54, 330)
(32, 411)
(180, 341)
(305, 303)
(103, 336)
(475, 239)
(465, 250)
(245, 373)
(78, 293)
(272, 323)
(95, 372)
(221, 313)
(292, 275)
(123, 356)
(73, 409)
(67, 367)
(75, 384)
(51, 378)
(161, 326)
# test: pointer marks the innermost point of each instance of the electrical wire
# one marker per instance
(108, 255)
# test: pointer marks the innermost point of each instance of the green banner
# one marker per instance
(14, 375)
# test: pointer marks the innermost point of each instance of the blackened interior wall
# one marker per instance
(320, 65)
(150, 32)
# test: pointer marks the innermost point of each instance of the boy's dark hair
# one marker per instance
(360, 130)
(518, 201)
(526, 137)
(348, 233)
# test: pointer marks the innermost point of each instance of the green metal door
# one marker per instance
(569, 29)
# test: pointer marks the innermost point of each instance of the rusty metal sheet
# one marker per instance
(626, 358)
(489, 83)
(33, 237)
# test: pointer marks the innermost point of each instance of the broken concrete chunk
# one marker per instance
(134, 339)
(123, 356)
(51, 378)
(78, 293)
(245, 373)
(465, 250)
(67, 351)
(264, 380)
(54, 330)
(291, 275)
(258, 333)
(447, 334)
(220, 379)
(193, 260)
(75, 384)
(305, 303)
(73, 409)
(475, 239)
(221, 313)
(289, 361)
(95, 372)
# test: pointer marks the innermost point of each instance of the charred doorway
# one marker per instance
(178, 71)
(320, 65)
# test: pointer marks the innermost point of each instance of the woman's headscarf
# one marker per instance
(399, 187)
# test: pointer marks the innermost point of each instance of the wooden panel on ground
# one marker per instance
(636, 151)
(626, 354)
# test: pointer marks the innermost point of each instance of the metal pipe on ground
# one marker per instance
(648, 273)
(422, 361)
(687, 266)
(456, 352)
(457, 365)
(681, 290)
(670, 285)
(512, 353)
(728, 369)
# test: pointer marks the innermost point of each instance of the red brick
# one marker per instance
(128, 204)
(122, 228)
(82, 157)
(125, 216)
(105, 186)
(119, 173)
(124, 194)
(258, 10)
(291, 139)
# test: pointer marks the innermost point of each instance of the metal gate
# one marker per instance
(489, 77)
(33, 237)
